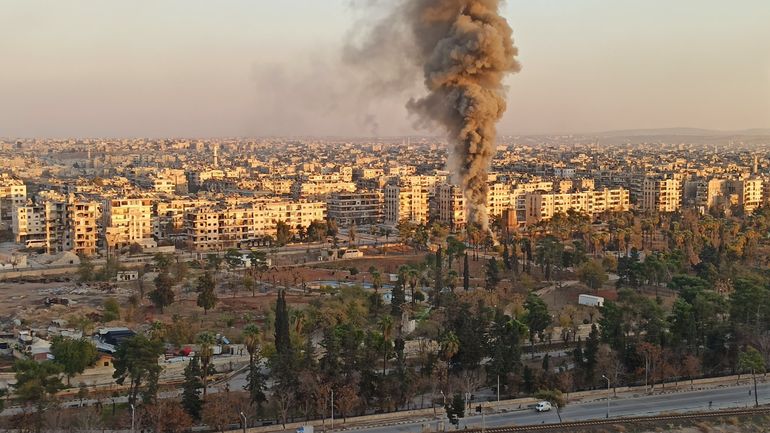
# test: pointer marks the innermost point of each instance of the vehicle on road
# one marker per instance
(305, 429)
(543, 406)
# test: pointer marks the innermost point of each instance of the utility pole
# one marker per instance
(332, 407)
(133, 413)
(498, 388)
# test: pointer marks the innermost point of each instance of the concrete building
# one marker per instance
(128, 221)
(358, 208)
(745, 194)
(13, 193)
(661, 193)
(409, 202)
(450, 206)
(543, 206)
(218, 228)
(83, 227)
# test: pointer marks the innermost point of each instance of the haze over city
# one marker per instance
(259, 68)
(384, 216)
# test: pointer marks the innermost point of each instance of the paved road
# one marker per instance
(690, 401)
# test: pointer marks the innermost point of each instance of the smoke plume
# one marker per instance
(465, 49)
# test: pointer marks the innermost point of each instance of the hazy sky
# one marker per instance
(258, 67)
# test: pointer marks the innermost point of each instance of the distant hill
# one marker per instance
(699, 132)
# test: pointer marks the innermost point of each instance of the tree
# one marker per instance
(466, 274)
(73, 355)
(751, 360)
(346, 399)
(555, 397)
(162, 262)
(136, 359)
(537, 317)
(234, 258)
(213, 261)
(283, 233)
(191, 389)
(163, 295)
(255, 380)
(387, 330)
(219, 411)
(439, 279)
(492, 278)
(592, 274)
(207, 297)
(398, 296)
(111, 310)
(35, 384)
(591, 354)
(206, 342)
(85, 270)
(282, 337)
(166, 416)
(456, 408)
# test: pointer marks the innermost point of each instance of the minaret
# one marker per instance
(216, 155)
(755, 170)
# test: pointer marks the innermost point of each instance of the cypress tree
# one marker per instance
(439, 278)
(191, 389)
(398, 297)
(466, 274)
(282, 339)
(506, 256)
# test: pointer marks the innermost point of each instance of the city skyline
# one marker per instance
(252, 69)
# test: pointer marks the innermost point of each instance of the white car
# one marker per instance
(543, 406)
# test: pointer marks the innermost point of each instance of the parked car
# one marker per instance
(543, 406)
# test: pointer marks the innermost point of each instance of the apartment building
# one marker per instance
(541, 206)
(217, 228)
(407, 201)
(128, 221)
(13, 192)
(358, 208)
(450, 206)
(661, 193)
(58, 224)
(83, 227)
(320, 188)
(168, 216)
(746, 194)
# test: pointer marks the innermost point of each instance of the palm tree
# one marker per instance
(376, 280)
(206, 342)
(251, 341)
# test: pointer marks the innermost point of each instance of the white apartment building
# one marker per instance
(541, 206)
(218, 228)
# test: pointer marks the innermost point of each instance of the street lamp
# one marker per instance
(608, 394)
(133, 412)
(243, 418)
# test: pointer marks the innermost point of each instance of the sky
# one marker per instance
(190, 68)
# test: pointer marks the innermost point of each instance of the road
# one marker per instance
(689, 401)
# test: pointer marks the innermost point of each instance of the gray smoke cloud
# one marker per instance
(465, 49)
